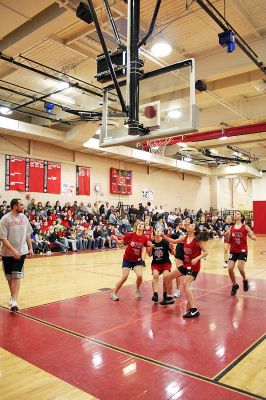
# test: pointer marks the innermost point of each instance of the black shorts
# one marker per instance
(238, 256)
(12, 267)
(179, 251)
(185, 271)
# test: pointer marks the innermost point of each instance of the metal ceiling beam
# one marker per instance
(29, 27)
(209, 8)
(32, 69)
(215, 134)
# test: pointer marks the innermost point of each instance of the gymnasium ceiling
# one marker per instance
(46, 40)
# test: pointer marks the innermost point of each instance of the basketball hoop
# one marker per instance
(158, 146)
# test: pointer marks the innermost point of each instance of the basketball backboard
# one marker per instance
(167, 107)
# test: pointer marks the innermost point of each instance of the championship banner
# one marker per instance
(15, 174)
(52, 177)
(83, 181)
(36, 175)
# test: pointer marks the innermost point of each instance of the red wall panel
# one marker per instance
(36, 176)
(15, 173)
(53, 177)
(83, 181)
(259, 216)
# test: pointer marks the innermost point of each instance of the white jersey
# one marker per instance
(15, 230)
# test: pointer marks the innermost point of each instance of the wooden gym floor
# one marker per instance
(70, 341)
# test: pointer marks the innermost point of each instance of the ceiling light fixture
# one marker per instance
(5, 110)
(62, 85)
(161, 49)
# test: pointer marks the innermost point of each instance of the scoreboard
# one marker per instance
(120, 181)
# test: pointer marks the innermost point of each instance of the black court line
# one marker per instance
(238, 359)
(173, 368)
(143, 358)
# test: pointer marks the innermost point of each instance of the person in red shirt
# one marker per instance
(148, 231)
(132, 258)
(239, 250)
(194, 251)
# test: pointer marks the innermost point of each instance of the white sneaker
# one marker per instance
(114, 297)
(14, 306)
(138, 294)
(177, 293)
(225, 264)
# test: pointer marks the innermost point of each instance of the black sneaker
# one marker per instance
(234, 289)
(166, 301)
(245, 285)
(155, 298)
(192, 313)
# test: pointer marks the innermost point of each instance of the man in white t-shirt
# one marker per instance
(15, 230)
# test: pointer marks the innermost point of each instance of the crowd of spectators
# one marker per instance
(78, 227)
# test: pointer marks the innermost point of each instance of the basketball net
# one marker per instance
(158, 146)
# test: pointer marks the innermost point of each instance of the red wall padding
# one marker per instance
(259, 216)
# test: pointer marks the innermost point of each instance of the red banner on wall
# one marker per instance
(52, 177)
(36, 176)
(83, 181)
(15, 175)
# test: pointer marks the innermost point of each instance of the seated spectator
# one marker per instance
(61, 242)
(126, 227)
(88, 234)
(72, 238)
(97, 235)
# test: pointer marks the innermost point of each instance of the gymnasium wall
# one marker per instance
(171, 189)
(259, 188)
(234, 193)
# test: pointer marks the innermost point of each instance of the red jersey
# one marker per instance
(191, 251)
(238, 239)
(148, 233)
(135, 246)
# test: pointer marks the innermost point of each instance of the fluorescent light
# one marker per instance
(174, 114)
(5, 110)
(62, 85)
(161, 49)
(223, 138)
(188, 159)
(62, 99)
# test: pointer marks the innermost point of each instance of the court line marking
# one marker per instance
(237, 360)
(182, 371)
(143, 358)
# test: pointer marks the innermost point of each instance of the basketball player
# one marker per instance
(148, 231)
(161, 263)
(226, 230)
(194, 251)
(132, 258)
(239, 250)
